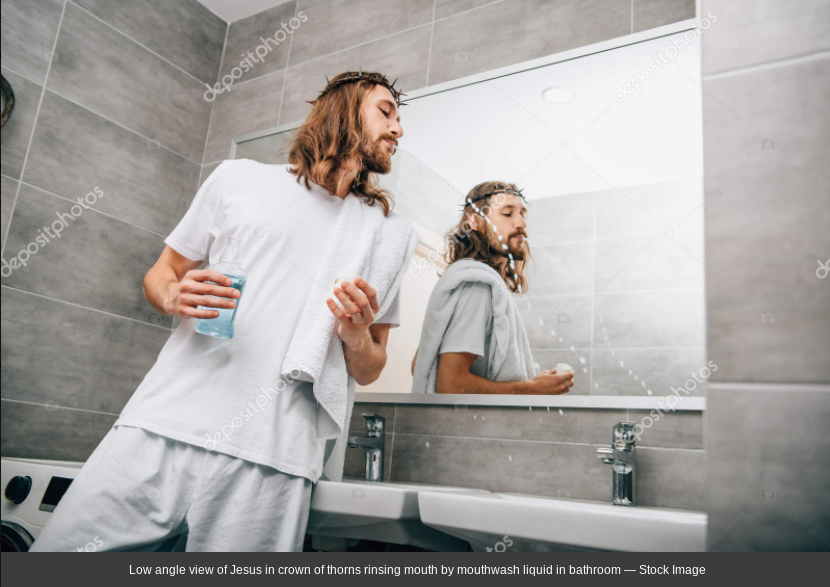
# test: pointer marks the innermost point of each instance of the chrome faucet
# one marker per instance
(374, 442)
(620, 455)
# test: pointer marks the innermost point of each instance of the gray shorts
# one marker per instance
(138, 490)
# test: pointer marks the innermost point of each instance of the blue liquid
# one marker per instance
(222, 325)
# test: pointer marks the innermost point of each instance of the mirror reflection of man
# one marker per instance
(473, 339)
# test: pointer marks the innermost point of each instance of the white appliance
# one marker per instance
(31, 489)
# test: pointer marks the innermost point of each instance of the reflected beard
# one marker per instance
(519, 251)
(374, 156)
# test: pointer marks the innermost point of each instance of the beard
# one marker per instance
(374, 156)
(515, 248)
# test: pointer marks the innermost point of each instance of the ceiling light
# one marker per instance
(558, 95)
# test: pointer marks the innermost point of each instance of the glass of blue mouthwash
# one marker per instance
(230, 264)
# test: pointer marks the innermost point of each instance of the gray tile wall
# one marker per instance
(109, 96)
(619, 290)
(421, 42)
(539, 451)
(766, 129)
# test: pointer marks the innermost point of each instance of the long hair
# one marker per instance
(464, 243)
(330, 140)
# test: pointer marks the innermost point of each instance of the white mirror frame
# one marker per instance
(461, 401)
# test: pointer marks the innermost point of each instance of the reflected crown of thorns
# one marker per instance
(470, 201)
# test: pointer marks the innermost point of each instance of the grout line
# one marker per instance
(594, 295)
(264, 75)
(218, 161)
(619, 348)
(470, 10)
(392, 448)
(245, 81)
(584, 241)
(76, 103)
(58, 407)
(776, 63)
(497, 439)
(681, 448)
(212, 163)
(620, 292)
(728, 386)
(258, 12)
(389, 36)
(37, 295)
(632, 17)
(135, 132)
(630, 291)
(32, 132)
(210, 10)
(120, 32)
(212, 104)
(53, 194)
(617, 292)
(287, 64)
(27, 78)
(431, 37)
(501, 439)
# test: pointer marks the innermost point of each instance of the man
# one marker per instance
(473, 339)
(216, 442)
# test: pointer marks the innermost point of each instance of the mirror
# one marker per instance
(607, 151)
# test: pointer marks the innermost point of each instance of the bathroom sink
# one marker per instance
(382, 511)
(508, 521)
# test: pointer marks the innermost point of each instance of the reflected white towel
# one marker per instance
(379, 249)
(510, 357)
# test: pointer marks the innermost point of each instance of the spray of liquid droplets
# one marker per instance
(622, 363)
(512, 263)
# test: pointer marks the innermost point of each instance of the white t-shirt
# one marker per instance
(227, 395)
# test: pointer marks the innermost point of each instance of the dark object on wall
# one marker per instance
(8, 101)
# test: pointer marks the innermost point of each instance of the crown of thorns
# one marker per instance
(469, 201)
(356, 77)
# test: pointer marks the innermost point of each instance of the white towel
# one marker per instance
(510, 357)
(379, 249)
